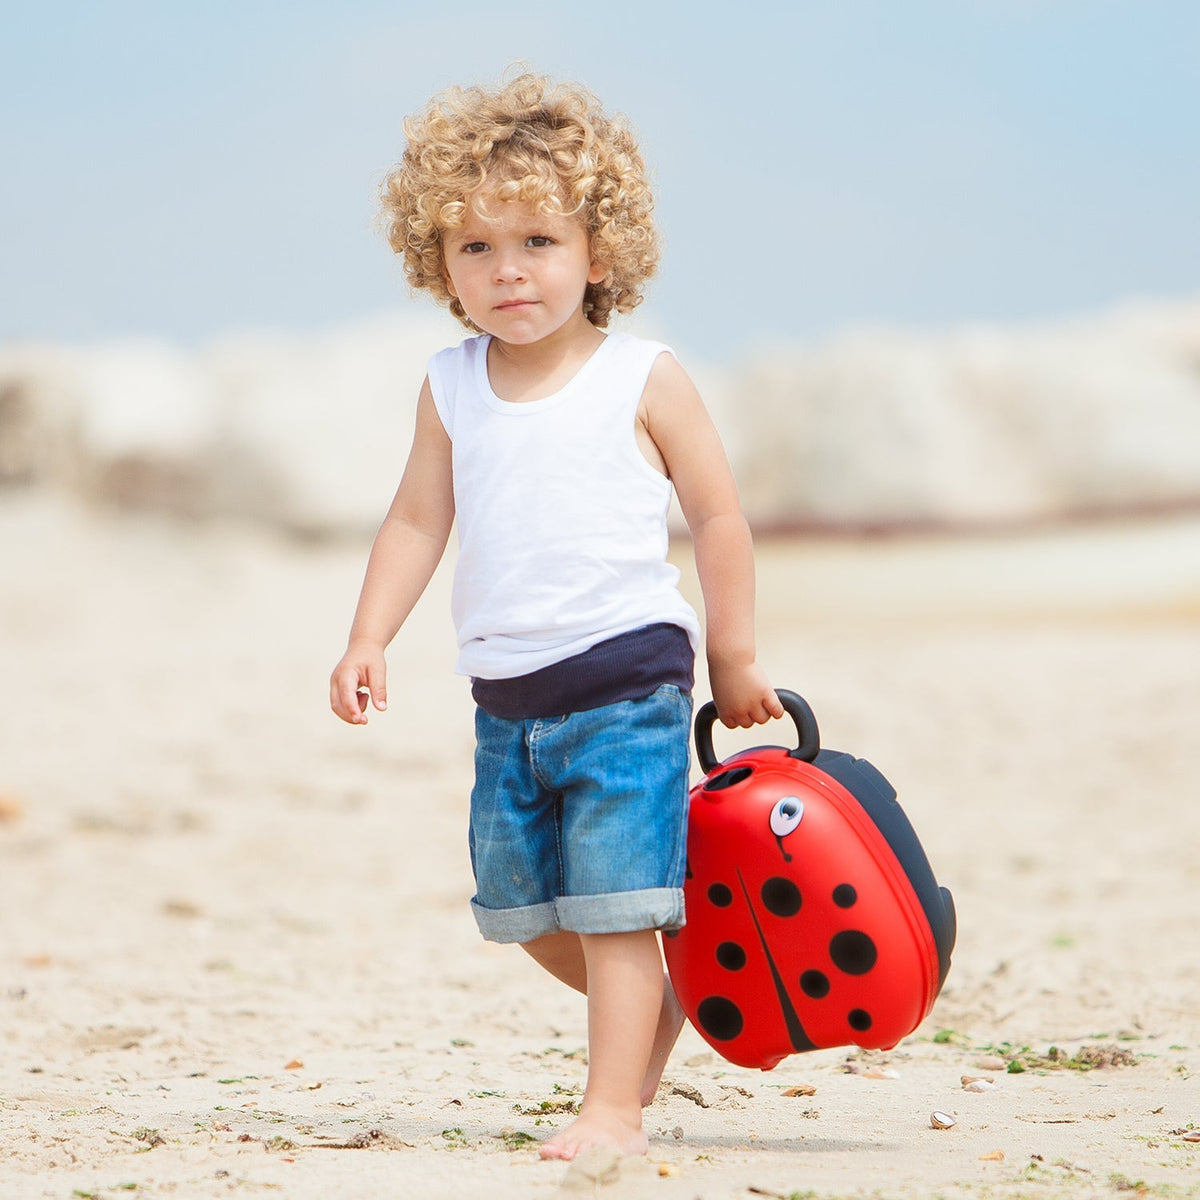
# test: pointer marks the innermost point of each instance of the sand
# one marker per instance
(236, 955)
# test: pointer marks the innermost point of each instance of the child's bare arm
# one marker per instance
(405, 554)
(675, 417)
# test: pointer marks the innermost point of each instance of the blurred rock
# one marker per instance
(37, 408)
(314, 433)
(979, 425)
(875, 428)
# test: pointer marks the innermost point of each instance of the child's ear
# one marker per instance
(598, 272)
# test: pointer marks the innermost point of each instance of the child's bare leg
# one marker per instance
(625, 997)
(670, 1023)
(562, 955)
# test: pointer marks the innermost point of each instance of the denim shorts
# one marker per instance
(579, 822)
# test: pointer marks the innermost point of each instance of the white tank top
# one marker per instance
(562, 523)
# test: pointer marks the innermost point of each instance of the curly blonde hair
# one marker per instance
(546, 144)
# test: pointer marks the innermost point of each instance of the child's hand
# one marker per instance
(361, 675)
(743, 695)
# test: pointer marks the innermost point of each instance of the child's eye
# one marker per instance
(540, 240)
(475, 247)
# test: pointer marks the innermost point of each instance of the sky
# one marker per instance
(187, 170)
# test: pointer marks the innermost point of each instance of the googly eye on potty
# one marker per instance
(813, 917)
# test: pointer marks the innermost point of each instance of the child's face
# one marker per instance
(520, 274)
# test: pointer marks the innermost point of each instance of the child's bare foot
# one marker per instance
(670, 1022)
(597, 1125)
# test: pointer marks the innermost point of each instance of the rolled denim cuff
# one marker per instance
(612, 912)
(515, 924)
(622, 912)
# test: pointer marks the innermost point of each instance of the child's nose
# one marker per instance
(509, 268)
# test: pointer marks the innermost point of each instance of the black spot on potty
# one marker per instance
(852, 951)
(844, 895)
(781, 896)
(860, 1020)
(720, 895)
(720, 1018)
(815, 984)
(731, 956)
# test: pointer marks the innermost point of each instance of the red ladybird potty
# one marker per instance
(813, 917)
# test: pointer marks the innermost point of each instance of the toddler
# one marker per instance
(555, 446)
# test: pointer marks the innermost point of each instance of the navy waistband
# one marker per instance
(629, 666)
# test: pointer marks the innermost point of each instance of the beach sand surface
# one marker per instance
(237, 958)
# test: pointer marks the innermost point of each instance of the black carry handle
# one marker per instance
(795, 706)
